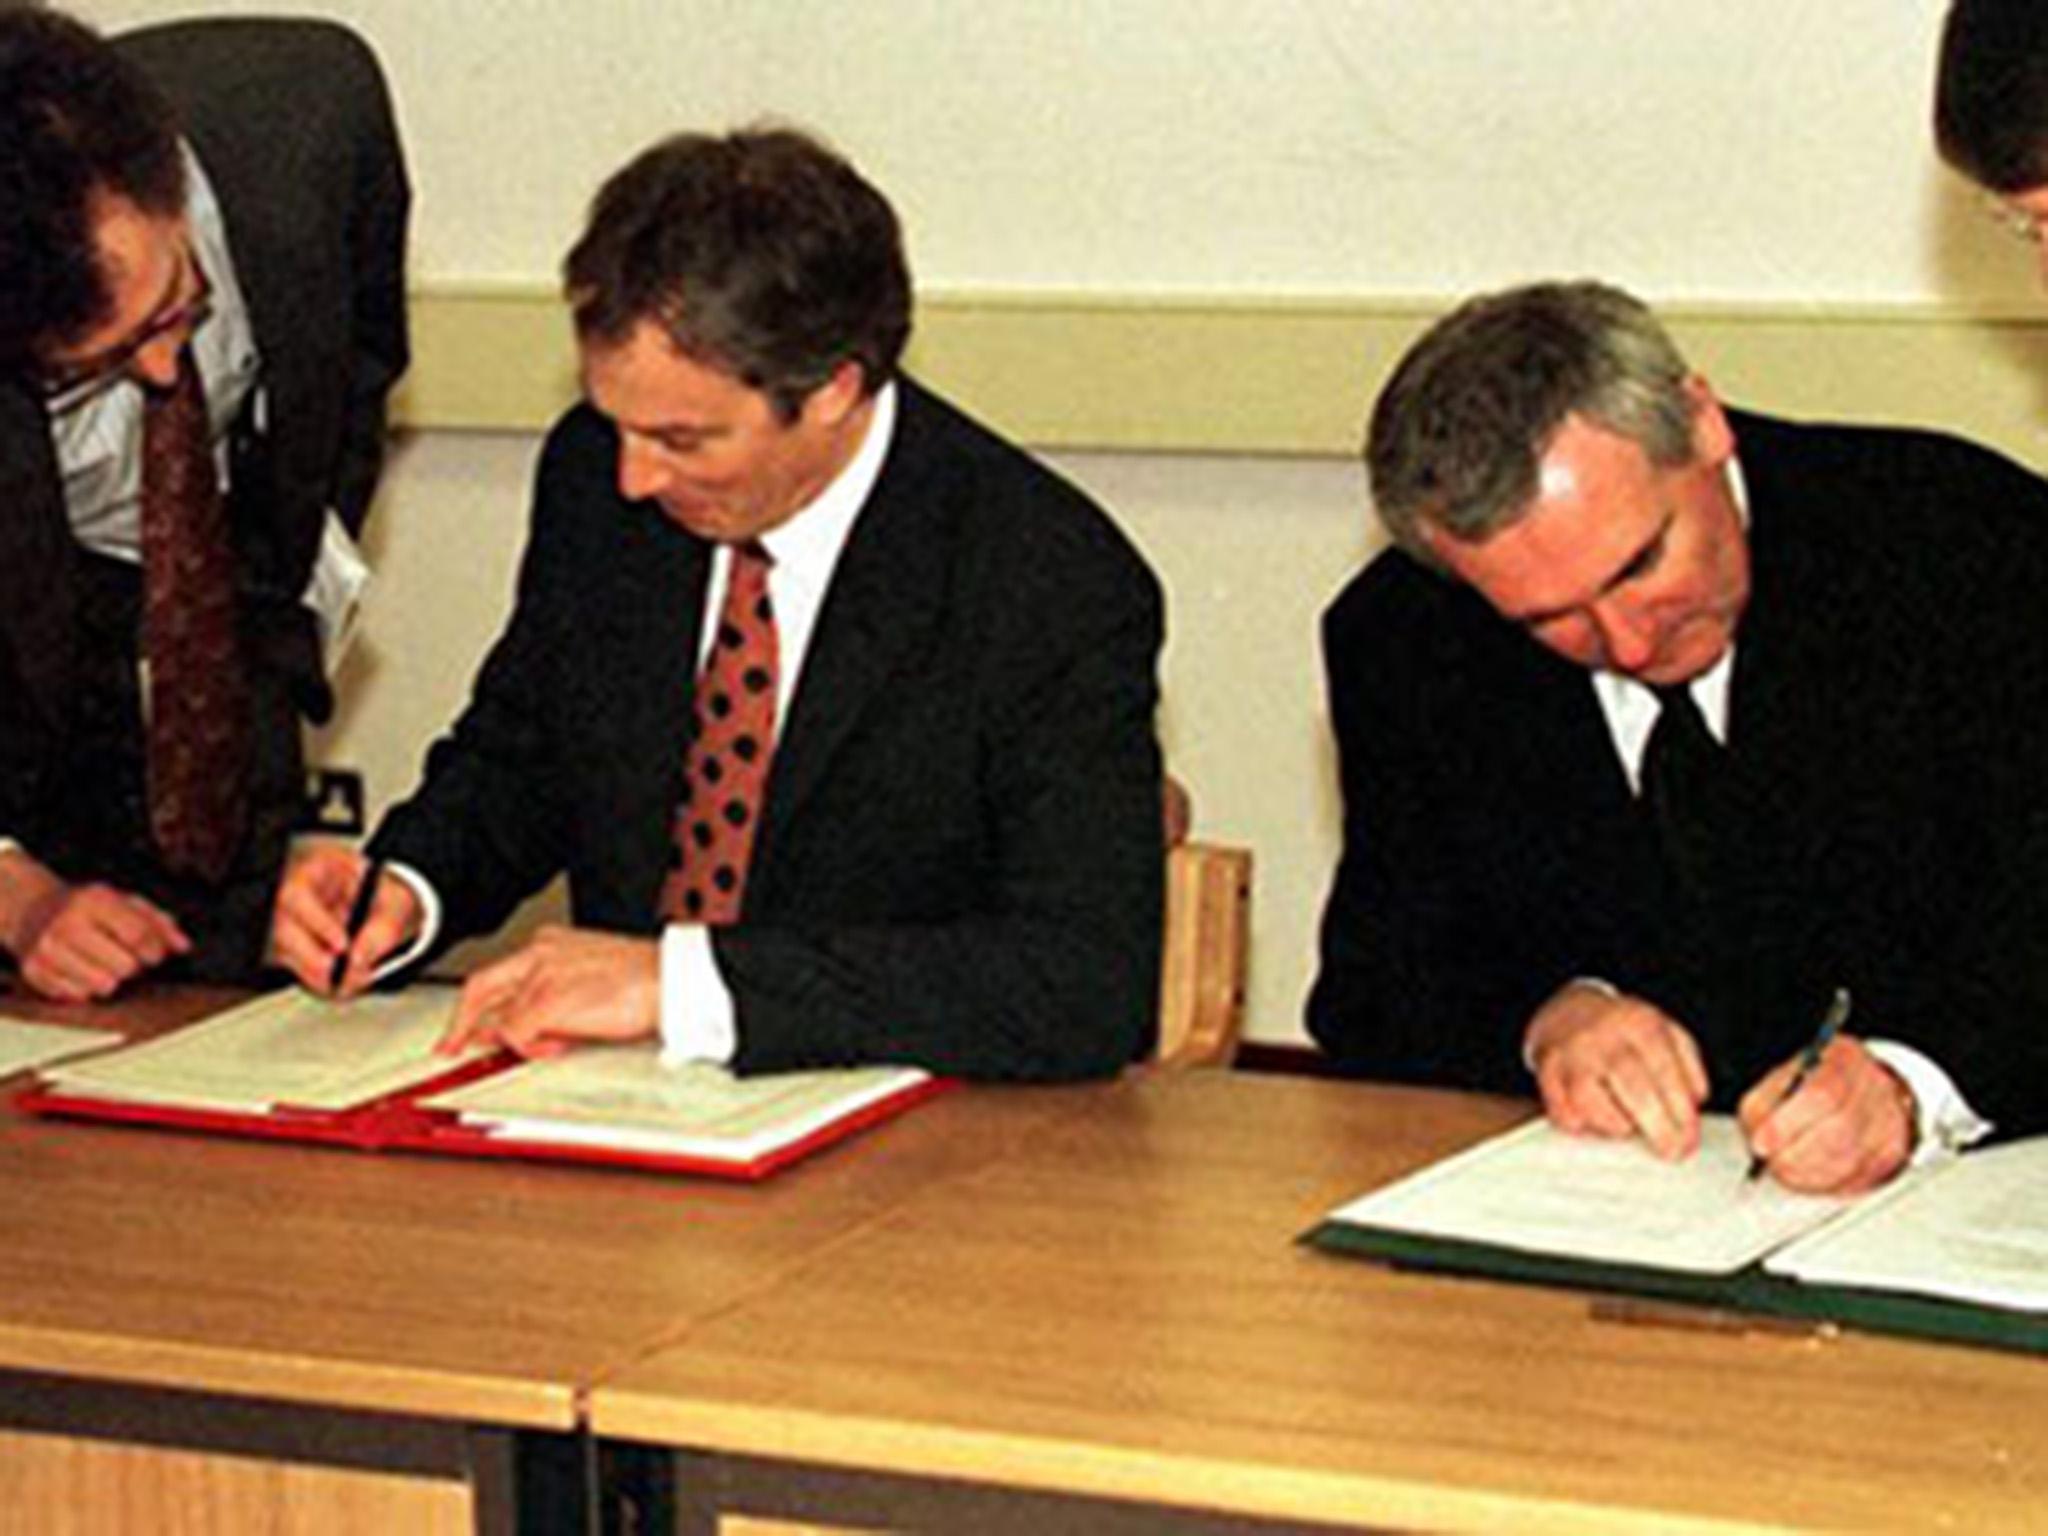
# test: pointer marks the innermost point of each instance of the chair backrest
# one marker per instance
(1201, 984)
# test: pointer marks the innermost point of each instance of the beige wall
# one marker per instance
(1738, 149)
(1175, 244)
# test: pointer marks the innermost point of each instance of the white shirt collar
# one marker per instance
(808, 542)
(806, 548)
(1630, 708)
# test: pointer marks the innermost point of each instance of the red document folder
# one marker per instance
(398, 1121)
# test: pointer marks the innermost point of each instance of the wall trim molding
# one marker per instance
(1192, 374)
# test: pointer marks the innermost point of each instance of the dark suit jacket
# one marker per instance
(959, 860)
(293, 126)
(1888, 718)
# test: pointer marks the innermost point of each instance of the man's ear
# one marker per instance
(1713, 438)
(839, 396)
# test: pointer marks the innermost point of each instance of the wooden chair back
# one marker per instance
(1201, 984)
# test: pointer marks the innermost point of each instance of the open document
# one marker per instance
(365, 1074)
(283, 1049)
(1537, 1189)
(1973, 1230)
(24, 1044)
(1933, 1253)
(622, 1096)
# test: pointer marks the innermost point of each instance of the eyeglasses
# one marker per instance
(2013, 219)
(74, 384)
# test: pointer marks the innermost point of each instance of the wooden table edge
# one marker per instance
(500, 1402)
(1122, 1472)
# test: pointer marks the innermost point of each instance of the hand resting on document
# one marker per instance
(563, 985)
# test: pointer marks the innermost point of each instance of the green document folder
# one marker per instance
(1958, 1204)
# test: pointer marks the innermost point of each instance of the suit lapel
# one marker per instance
(884, 602)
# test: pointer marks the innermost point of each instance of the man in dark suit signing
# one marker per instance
(835, 708)
(1666, 723)
(201, 311)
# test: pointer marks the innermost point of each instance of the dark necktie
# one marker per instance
(1684, 785)
(725, 770)
(197, 698)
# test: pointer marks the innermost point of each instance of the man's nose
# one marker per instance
(1626, 636)
(641, 475)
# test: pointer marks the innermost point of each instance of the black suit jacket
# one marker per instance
(1888, 718)
(293, 126)
(959, 860)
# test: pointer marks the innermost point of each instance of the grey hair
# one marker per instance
(1459, 431)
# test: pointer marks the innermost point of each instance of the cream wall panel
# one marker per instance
(1744, 149)
(1278, 377)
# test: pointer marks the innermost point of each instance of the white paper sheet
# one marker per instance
(24, 1044)
(285, 1048)
(1539, 1190)
(622, 1096)
(1972, 1230)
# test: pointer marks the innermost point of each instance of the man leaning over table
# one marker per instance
(1665, 721)
(202, 308)
(835, 708)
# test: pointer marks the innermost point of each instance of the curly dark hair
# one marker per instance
(77, 121)
(761, 253)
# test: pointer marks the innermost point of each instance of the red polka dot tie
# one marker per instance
(725, 771)
(198, 699)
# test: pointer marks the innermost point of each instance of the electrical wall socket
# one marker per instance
(334, 802)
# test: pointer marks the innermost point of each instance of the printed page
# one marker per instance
(1539, 1190)
(24, 1045)
(287, 1048)
(622, 1096)
(1972, 1230)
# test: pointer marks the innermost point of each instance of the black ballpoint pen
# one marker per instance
(358, 914)
(1830, 1026)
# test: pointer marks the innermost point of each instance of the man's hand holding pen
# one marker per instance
(1848, 1128)
(336, 919)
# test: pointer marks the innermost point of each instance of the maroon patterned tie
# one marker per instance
(197, 701)
(725, 770)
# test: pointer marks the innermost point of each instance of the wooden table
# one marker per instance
(175, 1291)
(1116, 1317)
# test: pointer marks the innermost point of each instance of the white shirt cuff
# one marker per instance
(1944, 1121)
(334, 590)
(697, 1022)
(430, 921)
